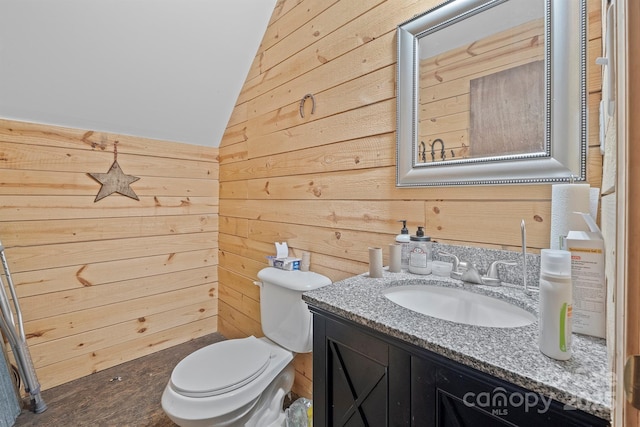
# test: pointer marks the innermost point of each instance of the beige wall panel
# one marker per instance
(345, 243)
(29, 157)
(336, 268)
(238, 115)
(285, 20)
(234, 226)
(234, 152)
(594, 167)
(49, 304)
(371, 56)
(371, 119)
(233, 135)
(371, 88)
(378, 215)
(27, 233)
(38, 134)
(229, 330)
(21, 182)
(67, 324)
(233, 190)
(495, 221)
(240, 265)
(331, 19)
(594, 71)
(35, 282)
(302, 385)
(362, 153)
(594, 22)
(376, 184)
(238, 283)
(65, 254)
(247, 248)
(239, 320)
(230, 296)
(251, 308)
(28, 208)
(75, 345)
(70, 369)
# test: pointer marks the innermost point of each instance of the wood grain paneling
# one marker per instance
(101, 283)
(325, 183)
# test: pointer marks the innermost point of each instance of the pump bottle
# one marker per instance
(555, 304)
(420, 255)
(403, 239)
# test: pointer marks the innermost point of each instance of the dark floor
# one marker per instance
(125, 395)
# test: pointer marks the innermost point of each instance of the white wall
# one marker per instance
(165, 69)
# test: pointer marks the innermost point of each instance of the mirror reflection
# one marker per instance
(492, 92)
(482, 85)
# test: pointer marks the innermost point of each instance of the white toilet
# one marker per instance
(243, 382)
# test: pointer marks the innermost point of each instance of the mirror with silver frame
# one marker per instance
(492, 92)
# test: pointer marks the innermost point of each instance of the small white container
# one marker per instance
(441, 268)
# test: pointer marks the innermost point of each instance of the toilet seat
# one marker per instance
(220, 368)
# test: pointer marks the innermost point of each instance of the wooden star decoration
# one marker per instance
(114, 181)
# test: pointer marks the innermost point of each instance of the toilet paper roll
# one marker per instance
(375, 263)
(566, 199)
(395, 254)
(305, 263)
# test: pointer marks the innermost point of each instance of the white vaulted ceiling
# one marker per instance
(163, 69)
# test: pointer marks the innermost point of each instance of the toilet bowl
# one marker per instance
(243, 382)
(229, 383)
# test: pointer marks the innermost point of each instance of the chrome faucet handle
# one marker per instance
(492, 272)
(493, 278)
(456, 260)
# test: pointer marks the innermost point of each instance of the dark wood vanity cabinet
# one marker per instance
(364, 378)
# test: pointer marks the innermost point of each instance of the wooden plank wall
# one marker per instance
(107, 282)
(325, 183)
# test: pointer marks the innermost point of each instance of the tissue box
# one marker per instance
(587, 275)
(288, 263)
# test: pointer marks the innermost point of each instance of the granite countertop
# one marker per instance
(511, 354)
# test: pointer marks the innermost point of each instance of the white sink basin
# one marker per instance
(460, 306)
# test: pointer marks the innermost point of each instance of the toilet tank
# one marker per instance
(285, 317)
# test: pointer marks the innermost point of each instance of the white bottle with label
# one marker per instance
(403, 239)
(420, 257)
(555, 304)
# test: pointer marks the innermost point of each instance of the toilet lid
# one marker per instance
(221, 367)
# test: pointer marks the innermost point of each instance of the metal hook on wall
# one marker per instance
(423, 153)
(313, 104)
(443, 155)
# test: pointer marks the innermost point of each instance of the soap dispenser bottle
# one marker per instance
(404, 240)
(420, 256)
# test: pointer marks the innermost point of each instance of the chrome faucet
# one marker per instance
(471, 274)
(493, 278)
(468, 272)
(463, 270)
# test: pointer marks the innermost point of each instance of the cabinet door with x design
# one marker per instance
(366, 378)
